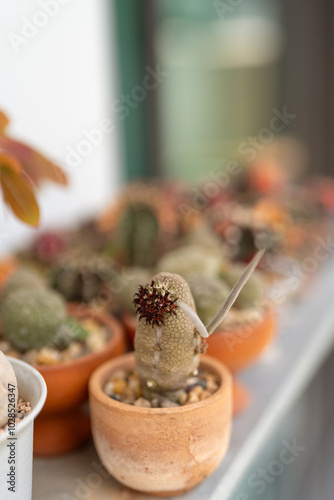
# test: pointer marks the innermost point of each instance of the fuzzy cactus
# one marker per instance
(24, 277)
(166, 343)
(31, 318)
(81, 276)
(253, 291)
(168, 334)
(187, 259)
(8, 393)
(209, 293)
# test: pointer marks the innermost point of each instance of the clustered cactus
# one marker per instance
(81, 277)
(34, 316)
(168, 335)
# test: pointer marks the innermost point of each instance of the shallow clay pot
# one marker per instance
(240, 346)
(164, 451)
(64, 424)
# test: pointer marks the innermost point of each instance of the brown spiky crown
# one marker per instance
(154, 301)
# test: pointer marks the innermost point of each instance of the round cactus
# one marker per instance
(209, 293)
(31, 318)
(24, 277)
(8, 388)
(166, 343)
(189, 259)
(253, 291)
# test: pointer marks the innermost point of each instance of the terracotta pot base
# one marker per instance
(60, 433)
(62, 426)
(241, 397)
(160, 451)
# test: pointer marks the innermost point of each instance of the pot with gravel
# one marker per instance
(161, 417)
(65, 343)
(22, 396)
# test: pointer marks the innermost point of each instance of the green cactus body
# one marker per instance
(31, 318)
(186, 259)
(166, 345)
(138, 232)
(22, 278)
(252, 292)
(209, 293)
(80, 276)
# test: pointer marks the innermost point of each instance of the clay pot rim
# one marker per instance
(101, 373)
(112, 324)
(270, 311)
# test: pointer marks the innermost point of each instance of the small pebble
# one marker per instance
(119, 385)
(165, 403)
(126, 387)
(142, 402)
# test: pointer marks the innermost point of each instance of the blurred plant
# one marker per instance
(143, 221)
(83, 276)
(22, 169)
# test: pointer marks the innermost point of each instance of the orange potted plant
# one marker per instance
(156, 424)
(65, 344)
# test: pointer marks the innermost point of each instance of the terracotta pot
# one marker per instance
(240, 346)
(161, 451)
(64, 424)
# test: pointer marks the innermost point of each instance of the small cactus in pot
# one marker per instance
(168, 335)
(168, 343)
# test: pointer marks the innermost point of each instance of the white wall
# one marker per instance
(57, 80)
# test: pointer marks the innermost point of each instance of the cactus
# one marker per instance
(166, 343)
(24, 277)
(189, 259)
(137, 235)
(31, 318)
(209, 293)
(167, 340)
(8, 393)
(253, 291)
(81, 277)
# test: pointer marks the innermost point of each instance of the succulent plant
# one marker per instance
(208, 293)
(8, 393)
(81, 277)
(253, 291)
(189, 258)
(142, 220)
(24, 277)
(31, 318)
(69, 331)
(168, 334)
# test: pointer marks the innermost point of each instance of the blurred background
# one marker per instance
(183, 85)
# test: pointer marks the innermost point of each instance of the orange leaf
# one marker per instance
(19, 195)
(35, 165)
(10, 162)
